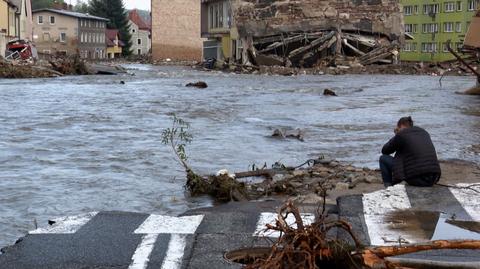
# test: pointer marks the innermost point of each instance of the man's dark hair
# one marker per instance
(405, 121)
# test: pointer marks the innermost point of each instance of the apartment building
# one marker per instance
(432, 23)
(67, 32)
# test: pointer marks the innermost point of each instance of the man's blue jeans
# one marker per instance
(386, 166)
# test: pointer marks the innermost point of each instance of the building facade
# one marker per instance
(68, 33)
(141, 34)
(218, 28)
(114, 44)
(176, 30)
(432, 23)
(23, 21)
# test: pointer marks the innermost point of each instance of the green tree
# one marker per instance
(37, 4)
(115, 11)
(81, 7)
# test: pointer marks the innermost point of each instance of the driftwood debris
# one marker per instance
(311, 49)
(312, 247)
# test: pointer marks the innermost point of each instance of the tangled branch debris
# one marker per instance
(311, 247)
(308, 246)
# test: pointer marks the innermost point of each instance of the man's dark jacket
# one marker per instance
(415, 156)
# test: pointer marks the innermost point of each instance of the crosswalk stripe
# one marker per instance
(141, 256)
(169, 225)
(376, 205)
(154, 225)
(66, 225)
(270, 218)
(176, 248)
(469, 199)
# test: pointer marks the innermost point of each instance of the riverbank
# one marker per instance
(335, 179)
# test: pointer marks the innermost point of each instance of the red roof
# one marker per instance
(137, 19)
(112, 35)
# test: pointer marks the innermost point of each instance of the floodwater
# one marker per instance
(429, 225)
(78, 144)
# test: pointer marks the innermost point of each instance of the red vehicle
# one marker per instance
(21, 49)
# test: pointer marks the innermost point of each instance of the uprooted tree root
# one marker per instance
(307, 246)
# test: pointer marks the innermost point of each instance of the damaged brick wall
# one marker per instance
(269, 17)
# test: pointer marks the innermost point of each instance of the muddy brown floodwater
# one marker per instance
(78, 144)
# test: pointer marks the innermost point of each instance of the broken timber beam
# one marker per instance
(284, 42)
(357, 51)
(324, 46)
(317, 42)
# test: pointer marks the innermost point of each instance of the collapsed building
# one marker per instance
(302, 33)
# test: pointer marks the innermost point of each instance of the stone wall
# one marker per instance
(268, 17)
(176, 30)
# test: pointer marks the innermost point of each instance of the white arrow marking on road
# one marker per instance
(469, 199)
(66, 225)
(270, 218)
(376, 206)
(154, 225)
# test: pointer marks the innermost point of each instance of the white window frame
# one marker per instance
(459, 5)
(63, 40)
(139, 41)
(50, 20)
(450, 7)
(448, 27)
(472, 5)
(38, 19)
(458, 27)
(408, 10)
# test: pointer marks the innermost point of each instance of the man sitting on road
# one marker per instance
(415, 158)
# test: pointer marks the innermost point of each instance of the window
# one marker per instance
(216, 15)
(430, 9)
(459, 5)
(429, 47)
(40, 19)
(458, 27)
(46, 36)
(408, 28)
(82, 38)
(449, 6)
(448, 27)
(415, 9)
(133, 30)
(52, 19)
(472, 5)
(409, 47)
(139, 41)
(430, 28)
(139, 51)
(407, 10)
(63, 37)
(459, 46)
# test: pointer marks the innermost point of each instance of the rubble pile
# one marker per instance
(329, 175)
(319, 33)
(21, 69)
(70, 65)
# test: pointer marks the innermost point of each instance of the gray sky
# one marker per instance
(130, 4)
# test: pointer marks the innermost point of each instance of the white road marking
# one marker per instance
(66, 225)
(376, 206)
(270, 218)
(469, 199)
(141, 257)
(176, 247)
(169, 225)
(154, 225)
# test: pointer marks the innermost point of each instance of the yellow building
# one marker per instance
(114, 44)
(8, 24)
